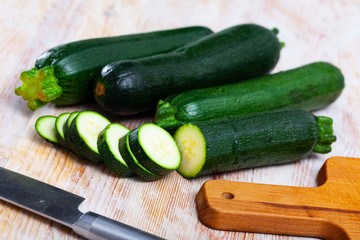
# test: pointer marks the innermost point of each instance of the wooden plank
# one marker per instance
(329, 211)
(312, 31)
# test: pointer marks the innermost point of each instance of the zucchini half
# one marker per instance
(260, 139)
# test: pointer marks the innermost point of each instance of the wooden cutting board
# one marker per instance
(329, 211)
(312, 31)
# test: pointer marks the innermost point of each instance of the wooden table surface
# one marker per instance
(312, 30)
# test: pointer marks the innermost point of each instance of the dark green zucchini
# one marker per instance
(65, 74)
(234, 54)
(254, 140)
(308, 87)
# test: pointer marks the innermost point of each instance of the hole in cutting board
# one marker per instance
(228, 195)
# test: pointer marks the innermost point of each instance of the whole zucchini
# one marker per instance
(65, 74)
(253, 140)
(234, 54)
(308, 87)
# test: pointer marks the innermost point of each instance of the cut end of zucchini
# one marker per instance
(39, 87)
(45, 127)
(326, 137)
(159, 146)
(165, 116)
(192, 145)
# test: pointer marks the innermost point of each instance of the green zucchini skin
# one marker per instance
(260, 139)
(78, 146)
(47, 130)
(77, 142)
(234, 54)
(66, 129)
(309, 87)
(108, 157)
(127, 153)
(61, 139)
(74, 66)
(142, 158)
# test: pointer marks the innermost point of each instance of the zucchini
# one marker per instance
(234, 54)
(309, 87)
(45, 127)
(64, 75)
(59, 128)
(83, 134)
(108, 147)
(132, 162)
(155, 149)
(66, 128)
(253, 140)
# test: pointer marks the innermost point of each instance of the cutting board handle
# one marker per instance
(327, 211)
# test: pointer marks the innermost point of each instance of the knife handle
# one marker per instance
(96, 227)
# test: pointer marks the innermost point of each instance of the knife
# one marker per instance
(62, 207)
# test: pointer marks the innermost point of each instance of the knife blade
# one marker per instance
(63, 207)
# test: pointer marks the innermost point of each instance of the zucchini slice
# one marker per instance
(260, 139)
(155, 149)
(59, 128)
(84, 132)
(132, 162)
(66, 127)
(45, 127)
(108, 147)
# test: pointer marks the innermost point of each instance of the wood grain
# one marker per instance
(329, 211)
(312, 30)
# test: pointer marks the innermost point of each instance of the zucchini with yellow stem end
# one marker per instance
(64, 75)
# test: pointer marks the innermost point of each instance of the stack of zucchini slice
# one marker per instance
(148, 151)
